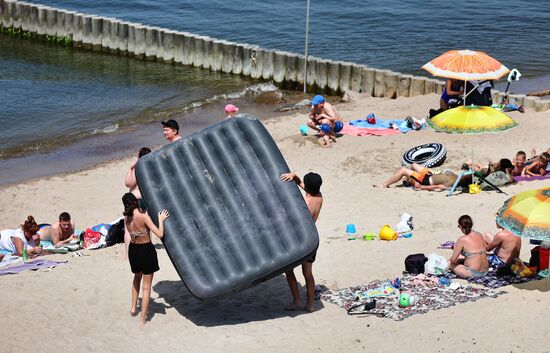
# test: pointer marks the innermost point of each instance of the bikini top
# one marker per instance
(468, 254)
(139, 234)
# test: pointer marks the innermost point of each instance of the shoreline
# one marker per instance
(95, 289)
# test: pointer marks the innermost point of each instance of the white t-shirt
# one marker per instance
(6, 242)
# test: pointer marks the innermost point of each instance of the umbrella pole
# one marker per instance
(464, 100)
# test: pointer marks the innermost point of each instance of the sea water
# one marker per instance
(64, 108)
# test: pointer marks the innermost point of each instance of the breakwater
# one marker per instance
(153, 43)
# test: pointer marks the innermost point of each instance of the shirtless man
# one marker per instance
(322, 118)
(423, 179)
(61, 232)
(314, 201)
(171, 130)
(505, 246)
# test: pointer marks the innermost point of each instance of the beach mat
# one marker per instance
(429, 296)
(364, 131)
(31, 265)
(233, 222)
(536, 177)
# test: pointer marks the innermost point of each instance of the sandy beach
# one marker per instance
(84, 305)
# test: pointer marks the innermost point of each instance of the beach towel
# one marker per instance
(382, 124)
(523, 178)
(364, 131)
(31, 265)
(10, 259)
(491, 280)
(428, 297)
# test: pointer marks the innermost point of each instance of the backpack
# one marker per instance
(414, 264)
(115, 234)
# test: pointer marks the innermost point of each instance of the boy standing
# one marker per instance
(314, 201)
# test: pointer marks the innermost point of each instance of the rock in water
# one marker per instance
(270, 97)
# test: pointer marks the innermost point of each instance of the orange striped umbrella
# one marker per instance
(466, 65)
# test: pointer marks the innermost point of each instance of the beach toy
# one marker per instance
(338, 126)
(325, 128)
(386, 233)
(351, 232)
(444, 281)
(406, 299)
(304, 129)
(369, 236)
(474, 189)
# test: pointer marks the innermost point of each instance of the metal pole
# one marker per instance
(305, 54)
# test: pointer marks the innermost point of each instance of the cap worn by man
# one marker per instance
(318, 99)
(171, 124)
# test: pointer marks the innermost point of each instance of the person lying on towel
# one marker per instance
(422, 178)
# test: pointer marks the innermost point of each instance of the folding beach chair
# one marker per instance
(466, 170)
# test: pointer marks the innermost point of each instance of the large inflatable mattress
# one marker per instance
(233, 222)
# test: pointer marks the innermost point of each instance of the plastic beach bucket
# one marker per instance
(351, 232)
(386, 233)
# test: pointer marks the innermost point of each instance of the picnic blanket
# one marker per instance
(31, 265)
(429, 296)
(364, 131)
(536, 177)
(491, 280)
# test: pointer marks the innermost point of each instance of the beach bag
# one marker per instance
(90, 237)
(414, 263)
(436, 265)
(115, 233)
(497, 178)
(371, 119)
(539, 258)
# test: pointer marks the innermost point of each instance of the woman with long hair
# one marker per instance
(12, 241)
(469, 258)
(141, 252)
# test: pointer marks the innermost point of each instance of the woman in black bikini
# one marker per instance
(141, 252)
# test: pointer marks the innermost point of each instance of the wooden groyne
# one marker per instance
(285, 69)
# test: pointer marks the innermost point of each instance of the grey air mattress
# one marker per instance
(233, 222)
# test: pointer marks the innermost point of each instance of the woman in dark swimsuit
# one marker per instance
(141, 252)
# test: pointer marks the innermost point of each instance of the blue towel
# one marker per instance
(382, 124)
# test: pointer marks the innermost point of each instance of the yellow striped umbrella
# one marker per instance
(466, 65)
(527, 214)
(471, 119)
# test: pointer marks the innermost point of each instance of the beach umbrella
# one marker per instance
(471, 119)
(527, 214)
(466, 65)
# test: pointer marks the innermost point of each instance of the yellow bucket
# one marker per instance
(386, 233)
(474, 189)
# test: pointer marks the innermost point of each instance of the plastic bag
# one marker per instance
(436, 265)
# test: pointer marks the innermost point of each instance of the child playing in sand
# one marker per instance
(519, 164)
(537, 168)
(314, 200)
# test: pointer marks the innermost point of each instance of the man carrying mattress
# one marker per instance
(314, 201)
(423, 179)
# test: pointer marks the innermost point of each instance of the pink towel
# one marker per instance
(362, 131)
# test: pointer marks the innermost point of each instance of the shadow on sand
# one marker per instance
(263, 302)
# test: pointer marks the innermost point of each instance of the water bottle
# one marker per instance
(25, 253)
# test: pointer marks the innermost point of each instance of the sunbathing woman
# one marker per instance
(12, 241)
(141, 252)
(469, 258)
(423, 179)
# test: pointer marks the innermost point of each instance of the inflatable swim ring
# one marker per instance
(429, 155)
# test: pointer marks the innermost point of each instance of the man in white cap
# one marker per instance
(171, 130)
